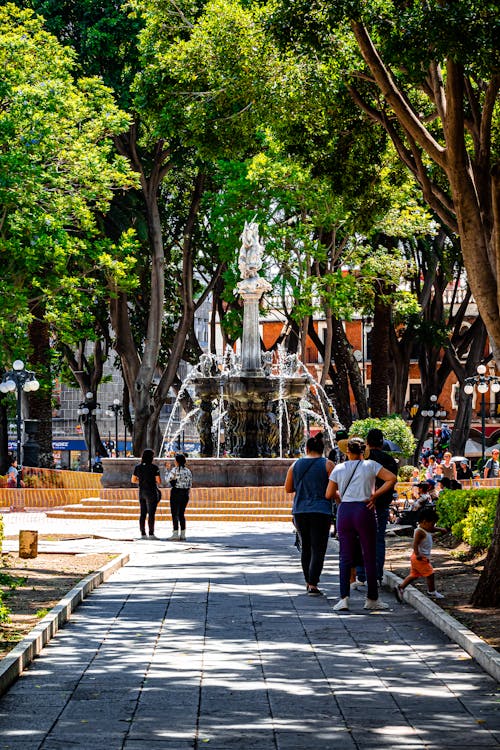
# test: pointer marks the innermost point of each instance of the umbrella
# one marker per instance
(391, 446)
(460, 459)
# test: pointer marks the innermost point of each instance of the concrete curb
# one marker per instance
(485, 655)
(16, 660)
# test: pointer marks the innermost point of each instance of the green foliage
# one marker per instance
(478, 525)
(58, 174)
(470, 514)
(394, 428)
(7, 583)
(405, 473)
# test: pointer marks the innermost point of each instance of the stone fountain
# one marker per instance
(260, 411)
(257, 402)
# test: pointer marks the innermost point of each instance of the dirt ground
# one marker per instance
(49, 577)
(46, 580)
(457, 572)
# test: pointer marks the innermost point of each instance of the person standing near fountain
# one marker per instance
(181, 481)
(147, 476)
(312, 512)
(352, 486)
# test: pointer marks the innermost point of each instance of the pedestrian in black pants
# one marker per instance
(147, 476)
(375, 443)
(312, 513)
(181, 480)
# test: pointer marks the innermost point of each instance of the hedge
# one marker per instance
(470, 514)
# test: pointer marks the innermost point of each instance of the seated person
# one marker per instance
(424, 497)
(432, 489)
(464, 471)
(443, 484)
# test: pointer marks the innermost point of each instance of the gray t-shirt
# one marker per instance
(493, 468)
(361, 485)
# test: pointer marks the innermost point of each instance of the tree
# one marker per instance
(430, 80)
(58, 172)
(428, 76)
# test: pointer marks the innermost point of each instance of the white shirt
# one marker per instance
(362, 484)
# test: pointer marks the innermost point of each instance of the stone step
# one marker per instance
(114, 514)
(93, 502)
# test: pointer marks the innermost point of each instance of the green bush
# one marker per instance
(470, 514)
(478, 525)
(405, 473)
(394, 428)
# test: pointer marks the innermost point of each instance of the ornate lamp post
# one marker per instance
(116, 410)
(434, 411)
(366, 328)
(19, 379)
(482, 382)
(87, 411)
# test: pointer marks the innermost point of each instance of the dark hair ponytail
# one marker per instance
(147, 456)
(315, 444)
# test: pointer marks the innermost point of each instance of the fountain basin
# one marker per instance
(207, 472)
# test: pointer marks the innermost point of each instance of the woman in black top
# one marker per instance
(147, 476)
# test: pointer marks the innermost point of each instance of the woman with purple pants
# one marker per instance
(352, 486)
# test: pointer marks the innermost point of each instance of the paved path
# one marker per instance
(214, 643)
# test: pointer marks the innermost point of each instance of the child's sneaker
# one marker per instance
(436, 595)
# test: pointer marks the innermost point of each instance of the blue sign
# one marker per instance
(75, 444)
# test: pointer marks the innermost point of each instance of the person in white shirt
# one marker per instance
(352, 486)
(180, 479)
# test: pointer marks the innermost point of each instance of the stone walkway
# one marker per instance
(214, 643)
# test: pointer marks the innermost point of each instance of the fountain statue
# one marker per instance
(258, 400)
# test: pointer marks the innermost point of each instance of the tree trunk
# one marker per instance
(40, 402)
(380, 358)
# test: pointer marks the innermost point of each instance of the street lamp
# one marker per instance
(115, 409)
(87, 411)
(434, 411)
(366, 328)
(19, 379)
(482, 382)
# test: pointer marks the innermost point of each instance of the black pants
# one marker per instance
(179, 498)
(314, 531)
(148, 508)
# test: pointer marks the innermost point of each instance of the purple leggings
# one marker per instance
(357, 520)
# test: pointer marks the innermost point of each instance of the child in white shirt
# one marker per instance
(420, 560)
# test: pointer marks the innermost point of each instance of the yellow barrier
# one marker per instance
(42, 497)
(60, 478)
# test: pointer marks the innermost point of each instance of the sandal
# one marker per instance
(398, 593)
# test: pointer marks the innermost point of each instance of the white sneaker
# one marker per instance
(358, 584)
(436, 595)
(342, 605)
(375, 604)
(174, 537)
(143, 536)
(152, 536)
